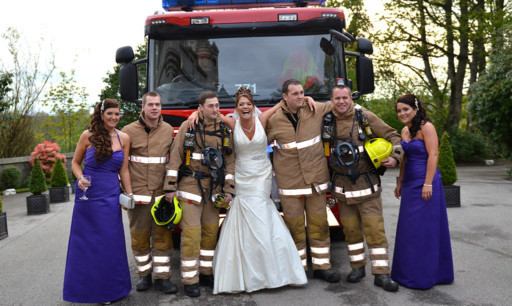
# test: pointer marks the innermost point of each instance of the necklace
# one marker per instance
(248, 130)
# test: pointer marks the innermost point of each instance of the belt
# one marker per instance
(148, 160)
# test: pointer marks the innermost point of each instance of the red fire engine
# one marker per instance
(221, 45)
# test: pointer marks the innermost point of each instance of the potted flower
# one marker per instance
(3, 222)
(446, 165)
(59, 190)
(47, 153)
(37, 203)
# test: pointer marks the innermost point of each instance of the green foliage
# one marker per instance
(509, 173)
(467, 147)
(384, 109)
(59, 177)
(37, 179)
(445, 163)
(129, 111)
(69, 115)
(1, 205)
(5, 81)
(491, 98)
(10, 178)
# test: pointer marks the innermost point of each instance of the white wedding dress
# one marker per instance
(255, 249)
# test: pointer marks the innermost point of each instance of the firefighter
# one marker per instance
(200, 170)
(149, 154)
(302, 175)
(356, 184)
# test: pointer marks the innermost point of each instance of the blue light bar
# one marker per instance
(171, 5)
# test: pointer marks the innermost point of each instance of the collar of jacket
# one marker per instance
(349, 113)
(145, 125)
(205, 122)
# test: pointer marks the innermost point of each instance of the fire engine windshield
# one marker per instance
(182, 69)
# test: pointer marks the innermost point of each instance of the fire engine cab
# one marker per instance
(221, 45)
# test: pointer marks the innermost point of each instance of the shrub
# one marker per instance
(37, 179)
(47, 153)
(59, 177)
(10, 177)
(467, 147)
(446, 164)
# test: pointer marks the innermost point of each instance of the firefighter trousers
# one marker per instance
(317, 228)
(200, 225)
(151, 243)
(365, 218)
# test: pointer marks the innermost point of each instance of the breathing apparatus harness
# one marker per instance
(344, 151)
(211, 157)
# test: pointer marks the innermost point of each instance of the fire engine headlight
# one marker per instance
(330, 202)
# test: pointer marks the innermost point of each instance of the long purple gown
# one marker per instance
(423, 253)
(97, 267)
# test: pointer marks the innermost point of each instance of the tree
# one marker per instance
(5, 82)
(69, 115)
(29, 81)
(129, 111)
(491, 97)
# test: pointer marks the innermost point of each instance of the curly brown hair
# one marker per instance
(100, 138)
(421, 116)
(243, 92)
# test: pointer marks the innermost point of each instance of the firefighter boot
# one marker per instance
(192, 290)
(206, 280)
(144, 283)
(385, 281)
(166, 286)
(327, 275)
(355, 275)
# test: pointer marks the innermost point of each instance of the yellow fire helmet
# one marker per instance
(378, 149)
(164, 212)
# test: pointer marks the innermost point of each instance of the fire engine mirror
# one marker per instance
(326, 46)
(364, 75)
(339, 36)
(128, 82)
(364, 46)
(124, 55)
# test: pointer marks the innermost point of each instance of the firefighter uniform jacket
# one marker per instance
(299, 153)
(149, 154)
(188, 186)
(366, 187)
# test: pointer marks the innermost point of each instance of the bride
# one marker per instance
(255, 248)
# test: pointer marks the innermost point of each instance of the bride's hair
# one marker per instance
(243, 92)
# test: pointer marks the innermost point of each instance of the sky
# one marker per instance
(84, 35)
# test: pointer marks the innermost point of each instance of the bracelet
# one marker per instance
(427, 185)
(130, 194)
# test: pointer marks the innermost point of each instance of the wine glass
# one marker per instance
(86, 182)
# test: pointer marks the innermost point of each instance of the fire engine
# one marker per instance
(221, 45)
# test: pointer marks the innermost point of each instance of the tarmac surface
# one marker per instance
(33, 256)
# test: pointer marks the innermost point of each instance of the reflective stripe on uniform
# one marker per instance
(189, 196)
(188, 263)
(302, 252)
(197, 156)
(304, 262)
(172, 173)
(142, 258)
(229, 177)
(322, 187)
(299, 145)
(148, 160)
(188, 274)
(302, 191)
(320, 250)
(357, 257)
(357, 193)
(319, 261)
(205, 263)
(355, 246)
(380, 263)
(144, 267)
(379, 251)
(141, 198)
(161, 269)
(207, 252)
(161, 259)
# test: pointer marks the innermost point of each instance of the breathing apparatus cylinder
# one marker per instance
(328, 132)
(189, 144)
(225, 131)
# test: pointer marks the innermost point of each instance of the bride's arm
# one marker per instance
(268, 113)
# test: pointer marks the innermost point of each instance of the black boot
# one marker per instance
(385, 281)
(206, 280)
(327, 275)
(192, 290)
(166, 286)
(355, 275)
(144, 283)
